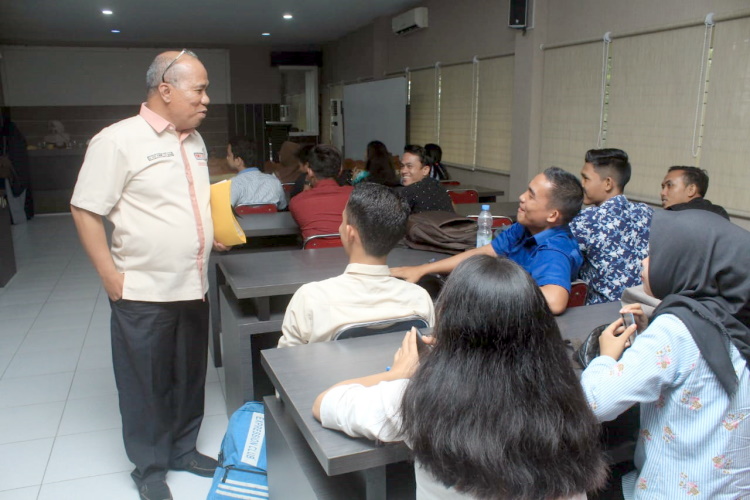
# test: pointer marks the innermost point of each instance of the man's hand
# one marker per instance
(113, 284)
(221, 247)
(614, 339)
(412, 274)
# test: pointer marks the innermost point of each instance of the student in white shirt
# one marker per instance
(494, 409)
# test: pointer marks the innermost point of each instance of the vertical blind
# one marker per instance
(466, 109)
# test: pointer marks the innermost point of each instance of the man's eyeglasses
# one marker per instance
(184, 51)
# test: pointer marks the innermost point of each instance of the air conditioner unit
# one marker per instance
(412, 20)
(337, 123)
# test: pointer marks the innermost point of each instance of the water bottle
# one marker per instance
(484, 227)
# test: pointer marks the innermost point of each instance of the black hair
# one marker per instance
(325, 161)
(566, 195)
(379, 215)
(379, 165)
(434, 152)
(418, 151)
(303, 153)
(245, 149)
(612, 163)
(495, 409)
(694, 175)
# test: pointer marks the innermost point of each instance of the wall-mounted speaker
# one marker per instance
(518, 14)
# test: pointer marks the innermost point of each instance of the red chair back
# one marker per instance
(322, 241)
(497, 220)
(450, 183)
(255, 209)
(464, 196)
(288, 186)
(578, 292)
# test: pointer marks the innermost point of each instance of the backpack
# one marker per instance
(440, 232)
(242, 459)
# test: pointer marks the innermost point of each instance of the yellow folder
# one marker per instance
(227, 230)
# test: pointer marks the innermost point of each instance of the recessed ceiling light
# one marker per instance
(265, 34)
(115, 31)
(107, 12)
(287, 16)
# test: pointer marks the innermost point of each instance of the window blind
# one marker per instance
(456, 114)
(494, 113)
(423, 107)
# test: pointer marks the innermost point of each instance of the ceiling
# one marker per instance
(173, 23)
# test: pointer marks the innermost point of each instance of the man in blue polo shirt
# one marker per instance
(540, 241)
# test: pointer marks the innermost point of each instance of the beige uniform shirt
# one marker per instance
(152, 183)
(362, 293)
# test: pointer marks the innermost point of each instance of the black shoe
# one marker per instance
(156, 490)
(198, 464)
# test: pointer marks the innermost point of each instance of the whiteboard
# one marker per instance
(93, 76)
(374, 111)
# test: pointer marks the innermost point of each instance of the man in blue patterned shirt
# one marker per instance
(612, 233)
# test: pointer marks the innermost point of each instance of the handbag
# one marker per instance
(440, 232)
(590, 347)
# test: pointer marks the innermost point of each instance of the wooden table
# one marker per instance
(263, 231)
(506, 208)
(300, 373)
(252, 304)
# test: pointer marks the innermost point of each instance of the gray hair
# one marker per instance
(158, 68)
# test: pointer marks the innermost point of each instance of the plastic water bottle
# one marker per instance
(484, 227)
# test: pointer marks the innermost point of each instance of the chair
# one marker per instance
(288, 186)
(255, 209)
(497, 220)
(578, 291)
(464, 196)
(322, 241)
(450, 183)
(365, 329)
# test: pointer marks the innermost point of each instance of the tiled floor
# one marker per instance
(60, 432)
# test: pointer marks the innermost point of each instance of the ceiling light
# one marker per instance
(107, 12)
(265, 34)
(115, 31)
(287, 16)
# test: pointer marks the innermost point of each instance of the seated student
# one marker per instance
(251, 186)
(435, 154)
(688, 368)
(613, 233)
(684, 188)
(318, 210)
(494, 409)
(300, 183)
(287, 169)
(421, 192)
(540, 241)
(373, 222)
(379, 168)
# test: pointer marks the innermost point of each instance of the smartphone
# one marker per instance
(629, 319)
(422, 347)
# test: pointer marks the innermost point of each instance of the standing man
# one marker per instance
(613, 233)
(149, 176)
(421, 192)
(684, 188)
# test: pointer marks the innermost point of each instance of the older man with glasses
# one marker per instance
(148, 175)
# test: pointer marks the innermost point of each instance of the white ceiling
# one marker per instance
(208, 23)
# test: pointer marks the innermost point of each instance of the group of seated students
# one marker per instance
(494, 408)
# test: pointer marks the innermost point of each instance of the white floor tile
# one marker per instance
(84, 455)
(90, 414)
(30, 364)
(34, 390)
(117, 486)
(211, 434)
(89, 383)
(23, 463)
(22, 297)
(15, 326)
(52, 341)
(21, 311)
(59, 322)
(96, 356)
(29, 493)
(68, 306)
(186, 486)
(26, 423)
(215, 404)
(10, 343)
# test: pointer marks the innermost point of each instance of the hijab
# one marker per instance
(288, 170)
(700, 266)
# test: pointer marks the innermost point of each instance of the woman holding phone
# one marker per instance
(688, 367)
(494, 409)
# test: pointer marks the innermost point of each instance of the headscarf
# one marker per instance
(700, 266)
(288, 170)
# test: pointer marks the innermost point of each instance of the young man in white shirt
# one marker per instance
(374, 220)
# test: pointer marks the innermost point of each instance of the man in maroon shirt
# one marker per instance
(318, 210)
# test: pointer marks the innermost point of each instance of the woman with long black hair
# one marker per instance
(688, 367)
(494, 409)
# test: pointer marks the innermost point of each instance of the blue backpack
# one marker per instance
(242, 459)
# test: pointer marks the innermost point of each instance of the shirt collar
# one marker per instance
(618, 200)
(545, 235)
(367, 269)
(326, 182)
(159, 123)
(250, 169)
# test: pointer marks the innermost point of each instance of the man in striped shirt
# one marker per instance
(251, 186)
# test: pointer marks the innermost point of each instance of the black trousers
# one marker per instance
(159, 352)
